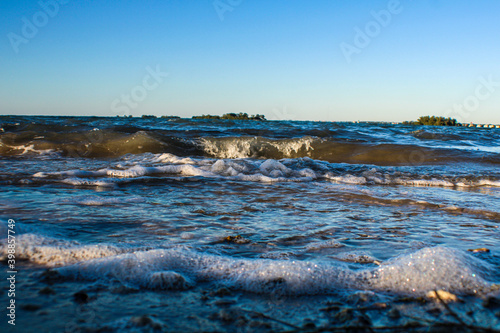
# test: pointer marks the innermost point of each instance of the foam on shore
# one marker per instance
(270, 170)
(417, 273)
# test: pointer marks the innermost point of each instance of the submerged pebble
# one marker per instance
(442, 296)
(81, 297)
(479, 250)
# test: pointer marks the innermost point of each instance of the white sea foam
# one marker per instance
(245, 169)
(70, 173)
(229, 149)
(178, 169)
(423, 182)
(432, 269)
(54, 252)
(487, 182)
(244, 147)
(347, 179)
(29, 149)
(356, 257)
(329, 244)
(259, 170)
(94, 200)
(180, 268)
(417, 273)
(106, 182)
(276, 255)
(289, 147)
(171, 158)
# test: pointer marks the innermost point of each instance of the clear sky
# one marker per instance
(287, 59)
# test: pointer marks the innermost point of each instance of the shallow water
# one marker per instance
(183, 225)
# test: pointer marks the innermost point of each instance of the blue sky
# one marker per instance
(286, 59)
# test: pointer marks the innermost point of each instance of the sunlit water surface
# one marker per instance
(188, 225)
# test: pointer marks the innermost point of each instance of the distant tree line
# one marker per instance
(233, 116)
(433, 121)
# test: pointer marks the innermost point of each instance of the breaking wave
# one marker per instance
(180, 268)
(155, 167)
(365, 144)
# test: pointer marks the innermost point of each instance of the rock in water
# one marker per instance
(442, 296)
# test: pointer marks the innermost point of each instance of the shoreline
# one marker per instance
(170, 118)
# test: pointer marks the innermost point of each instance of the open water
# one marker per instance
(129, 224)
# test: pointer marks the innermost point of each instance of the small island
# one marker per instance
(233, 116)
(443, 121)
(434, 121)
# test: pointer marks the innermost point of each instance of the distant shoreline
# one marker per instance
(469, 125)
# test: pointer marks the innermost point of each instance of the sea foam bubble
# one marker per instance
(418, 273)
(428, 269)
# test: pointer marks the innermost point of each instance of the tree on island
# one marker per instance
(433, 121)
(233, 116)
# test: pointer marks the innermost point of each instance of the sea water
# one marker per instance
(127, 224)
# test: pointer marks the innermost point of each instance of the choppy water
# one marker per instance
(187, 225)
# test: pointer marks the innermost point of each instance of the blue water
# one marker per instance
(129, 224)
